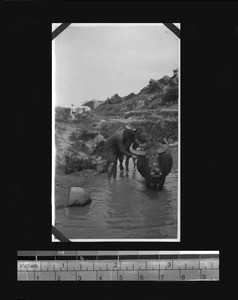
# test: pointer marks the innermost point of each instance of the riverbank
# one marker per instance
(79, 147)
(79, 144)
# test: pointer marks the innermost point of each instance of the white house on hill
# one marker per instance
(82, 109)
(74, 111)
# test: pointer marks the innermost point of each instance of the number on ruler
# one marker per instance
(162, 276)
(81, 257)
(100, 277)
(204, 276)
(183, 276)
(58, 277)
(79, 278)
(120, 277)
(115, 265)
(169, 264)
(141, 277)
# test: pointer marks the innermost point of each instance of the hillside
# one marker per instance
(158, 93)
(93, 103)
(79, 142)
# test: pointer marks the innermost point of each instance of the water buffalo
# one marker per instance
(154, 165)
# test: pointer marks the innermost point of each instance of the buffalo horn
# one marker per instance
(164, 149)
(137, 152)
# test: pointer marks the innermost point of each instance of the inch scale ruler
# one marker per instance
(117, 265)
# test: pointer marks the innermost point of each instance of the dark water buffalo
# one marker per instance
(154, 165)
(118, 145)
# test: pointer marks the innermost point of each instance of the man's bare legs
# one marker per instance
(112, 170)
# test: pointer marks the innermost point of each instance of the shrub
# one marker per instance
(76, 161)
(159, 130)
(88, 134)
(171, 95)
(62, 113)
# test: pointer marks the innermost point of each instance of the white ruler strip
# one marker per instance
(183, 266)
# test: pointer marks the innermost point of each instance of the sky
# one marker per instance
(97, 61)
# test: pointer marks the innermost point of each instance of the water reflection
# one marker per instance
(123, 208)
(76, 212)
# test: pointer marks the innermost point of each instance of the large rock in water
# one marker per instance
(78, 197)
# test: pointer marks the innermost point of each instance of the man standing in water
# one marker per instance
(118, 145)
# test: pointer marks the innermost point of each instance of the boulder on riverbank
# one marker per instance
(92, 144)
(76, 161)
(78, 197)
(99, 164)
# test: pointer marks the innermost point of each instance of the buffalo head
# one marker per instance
(135, 136)
(141, 136)
(154, 165)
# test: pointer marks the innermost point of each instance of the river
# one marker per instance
(123, 208)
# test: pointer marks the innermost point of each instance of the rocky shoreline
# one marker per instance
(80, 146)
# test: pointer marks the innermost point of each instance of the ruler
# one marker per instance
(117, 265)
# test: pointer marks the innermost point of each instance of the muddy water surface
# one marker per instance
(123, 208)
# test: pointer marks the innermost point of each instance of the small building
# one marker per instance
(74, 111)
(82, 109)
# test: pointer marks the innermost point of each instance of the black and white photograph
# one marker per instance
(117, 125)
(116, 131)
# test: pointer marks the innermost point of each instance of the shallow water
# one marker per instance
(123, 208)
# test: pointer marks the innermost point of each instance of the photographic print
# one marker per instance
(116, 132)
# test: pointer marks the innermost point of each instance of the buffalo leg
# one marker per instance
(134, 162)
(121, 161)
(161, 184)
(148, 184)
(127, 163)
(114, 171)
